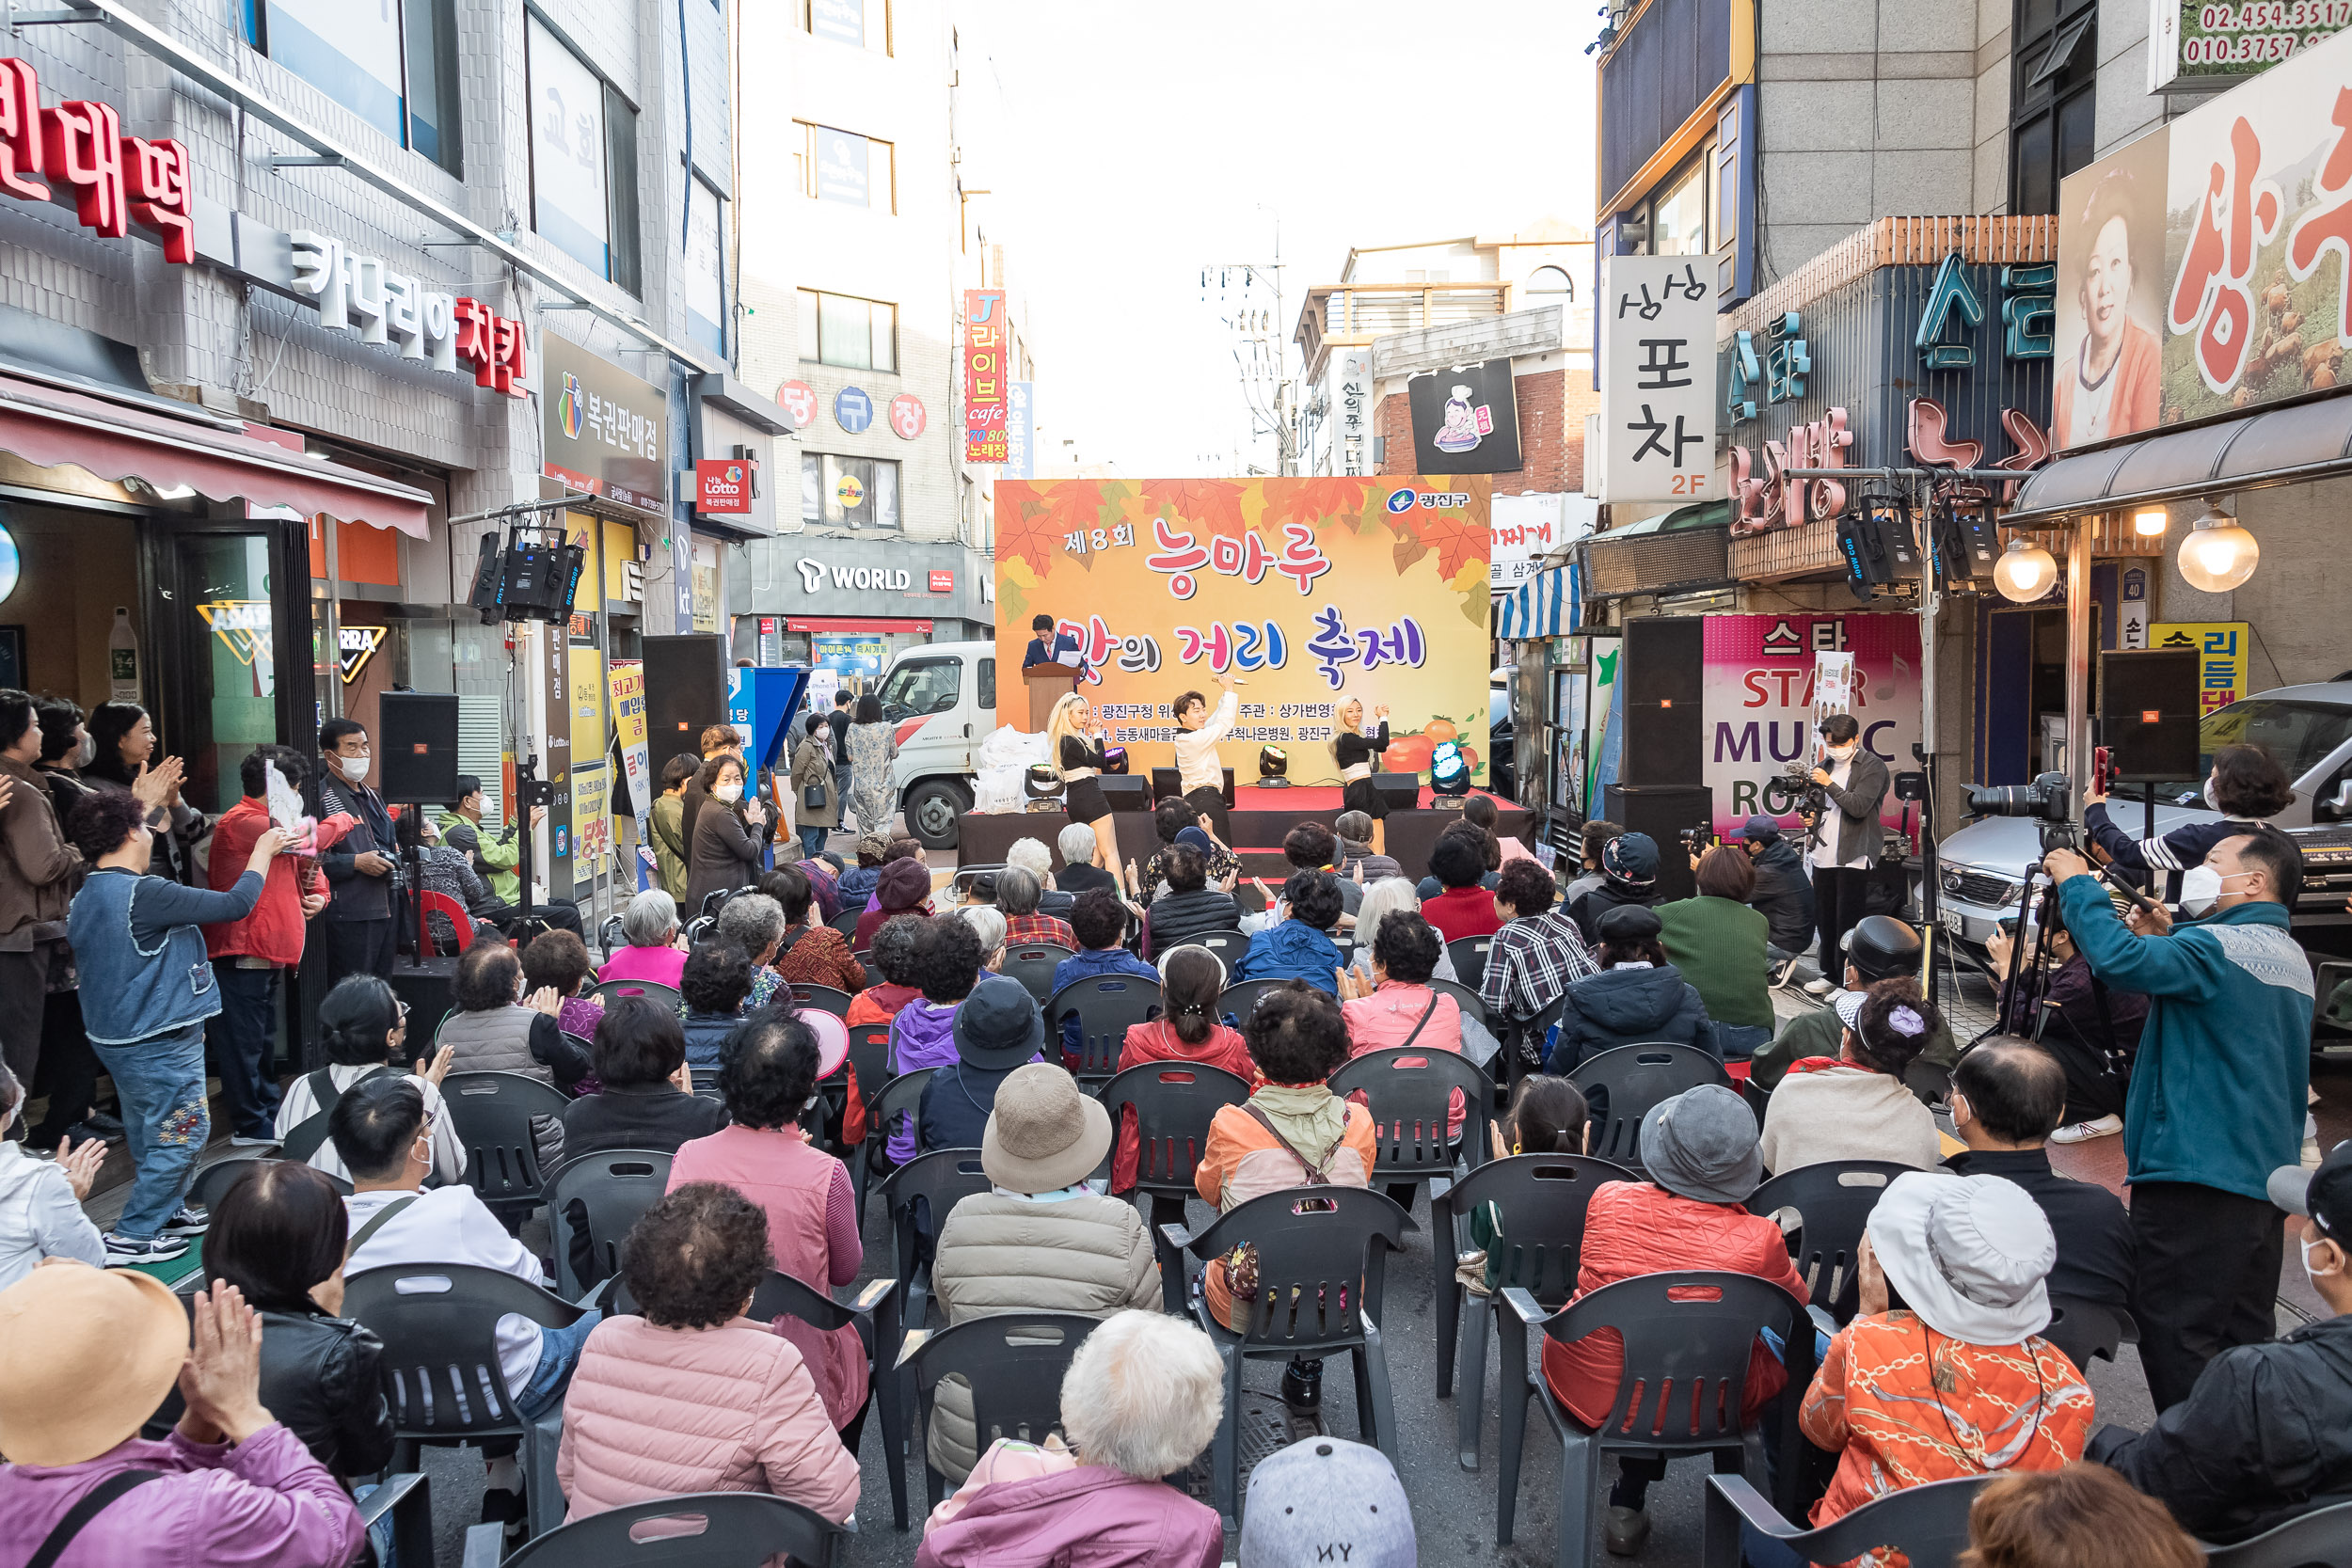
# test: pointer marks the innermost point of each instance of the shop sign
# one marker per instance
(603, 430)
(849, 492)
(1020, 432)
(2132, 591)
(2222, 660)
(853, 409)
(1658, 380)
(799, 401)
(2225, 40)
(449, 332)
(907, 417)
(627, 683)
(943, 582)
(1526, 528)
(354, 647)
(815, 575)
(723, 485)
(115, 179)
(1466, 419)
(1351, 413)
(984, 384)
(1757, 702)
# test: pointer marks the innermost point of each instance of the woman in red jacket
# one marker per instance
(1188, 1031)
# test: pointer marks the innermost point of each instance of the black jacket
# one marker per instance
(1784, 895)
(322, 1378)
(358, 896)
(1176, 916)
(1628, 1007)
(639, 1115)
(2095, 1247)
(1591, 905)
(2264, 1435)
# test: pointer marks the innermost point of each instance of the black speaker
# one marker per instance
(686, 693)
(1879, 546)
(1662, 811)
(1664, 657)
(1165, 785)
(1125, 791)
(1966, 545)
(1398, 791)
(484, 596)
(416, 746)
(2148, 714)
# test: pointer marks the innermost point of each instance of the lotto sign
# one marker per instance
(1657, 379)
(984, 383)
(722, 486)
(799, 401)
(906, 417)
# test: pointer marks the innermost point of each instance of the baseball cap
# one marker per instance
(1760, 830)
(1323, 1500)
(2322, 1196)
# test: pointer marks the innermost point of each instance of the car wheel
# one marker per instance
(932, 808)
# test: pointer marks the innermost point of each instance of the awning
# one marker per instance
(2279, 446)
(48, 425)
(853, 623)
(1551, 604)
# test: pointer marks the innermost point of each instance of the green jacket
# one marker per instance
(1819, 1033)
(2224, 1064)
(1719, 946)
(494, 855)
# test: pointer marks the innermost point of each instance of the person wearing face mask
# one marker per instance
(2090, 1029)
(359, 918)
(1845, 841)
(2265, 1432)
(2246, 785)
(729, 834)
(2218, 1092)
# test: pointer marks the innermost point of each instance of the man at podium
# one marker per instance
(1046, 648)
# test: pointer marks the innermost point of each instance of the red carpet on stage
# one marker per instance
(1306, 798)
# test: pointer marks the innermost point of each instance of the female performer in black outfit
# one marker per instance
(1356, 753)
(1075, 744)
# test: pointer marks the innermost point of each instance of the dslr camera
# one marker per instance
(2049, 800)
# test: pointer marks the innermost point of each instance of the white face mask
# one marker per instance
(87, 752)
(2211, 803)
(2317, 1274)
(728, 792)
(2200, 889)
(355, 769)
(1845, 753)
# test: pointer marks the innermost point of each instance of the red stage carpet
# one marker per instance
(1303, 799)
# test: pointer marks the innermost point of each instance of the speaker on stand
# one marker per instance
(686, 693)
(1664, 810)
(1664, 660)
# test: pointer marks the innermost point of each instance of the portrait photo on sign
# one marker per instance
(2107, 372)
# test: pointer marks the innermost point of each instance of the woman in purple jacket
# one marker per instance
(946, 966)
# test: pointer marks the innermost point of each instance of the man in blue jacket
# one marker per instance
(1294, 946)
(2217, 1093)
(1100, 922)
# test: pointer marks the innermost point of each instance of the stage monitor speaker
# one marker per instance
(1125, 791)
(1663, 658)
(2148, 714)
(415, 744)
(1398, 791)
(1662, 811)
(686, 693)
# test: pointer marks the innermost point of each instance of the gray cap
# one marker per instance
(1327, 1500)
(1701, 1143)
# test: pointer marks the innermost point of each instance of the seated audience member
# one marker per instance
(449, 871)
(1098, 920)
(824, 875)
(1293, 1128)
(1190, 907)
(1880, 948)
(1593, 841)
(1142, 1398)
(1489, 857)
(1017, 894)
(1042, 1241)
(1353, 828)
(1944, 1371)
(1293, 947)
(1186, 1032)
(688, 1394)
(1699, 1148)
(1857, 1106)
(557, 961)
(1171, 820)
(997, 1029)
(649, 926)
(2006, 1097)
(1398, 1007)
(1080, 872)
(364, 1033)
(1390, 896)
(1546, 1116)
(86, 1356)
(1538, 951)
(770, 1070)
(2076, 1516)
(1323, 1500)
(2265, 1433)
(1628, 875)
(2090, 1027)
(648, 1100)
(1720, 944)
(495, 1028)
(716, 985)
(40, 1201)
(1636, 998)
(1463, 907)
(890, 967)
(1783, 893)
(1030, 855)
(1310, 847)
(857, 882)
(989, 924)
(947, 965)
(809, 951)
(754, 924)
(904, 887)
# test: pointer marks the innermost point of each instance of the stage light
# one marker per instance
(2151, 523)
(1448, 773)
(2217, 555)
(1273, 762)
(2025, 572)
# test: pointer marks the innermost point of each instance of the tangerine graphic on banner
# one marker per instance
(1311, 590)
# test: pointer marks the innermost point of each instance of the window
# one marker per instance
(988, 683)
(854, 333)
(1550, 280)
(584, 161)
(705, 268)
(2053, 63)
(392, 62)
(919, 685)
(1678, 213)
(860, 24)
(849, 492)
(844, 167)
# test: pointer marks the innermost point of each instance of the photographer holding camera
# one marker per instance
(1783, 895)
(2216, 1099)
(2247, 786)
(1845, 836)
(2091, 1025)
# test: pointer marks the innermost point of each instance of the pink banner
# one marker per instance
(1757, 702)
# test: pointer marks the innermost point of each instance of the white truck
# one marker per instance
(942, 697)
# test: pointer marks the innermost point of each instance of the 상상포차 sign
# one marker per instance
(1657, 379)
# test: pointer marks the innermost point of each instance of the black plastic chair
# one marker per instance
(407, 1500)
(897, 1097)
(1679, 1388)
(1541, 1198)
(1014, 1364)
(493, 1113)
(1226, 946)
(1107, 1006)
(2320, 1539)
(612, 990)
(1236, 1001)
(737, 1529)
(1347, 950)
(1833, 1202)
(1635, 1078)
(1523, 1042)
(1033, 963)
(614, 1187)
(826, 999)
(1465, 997)
(1173, 1102)
(218, 1177)
(1408, 1090)
(846, 922)
(960, 884)
(1470, 958)
(2087, 1330)
(870, 1059)
(1927, 1524)
(1323, 1256)
(919, 1197)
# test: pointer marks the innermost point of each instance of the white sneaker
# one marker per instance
(1818, 987)
(2083, 1132)
(123, 1251)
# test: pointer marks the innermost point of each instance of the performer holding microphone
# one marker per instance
(1074, 748)
(1197, 771)
(1356, 751)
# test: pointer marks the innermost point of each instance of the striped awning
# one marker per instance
(1551, 604)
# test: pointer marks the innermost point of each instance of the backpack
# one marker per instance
(310, 1131)
(1270, 1170)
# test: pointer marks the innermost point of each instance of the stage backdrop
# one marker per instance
(1311, 591)
(1758, 703)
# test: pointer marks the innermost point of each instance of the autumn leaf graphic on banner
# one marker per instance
(1311, 500)
(1456, 538)
(1212, 505)
(1028, 534)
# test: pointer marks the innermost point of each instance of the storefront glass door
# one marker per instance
(231, 688)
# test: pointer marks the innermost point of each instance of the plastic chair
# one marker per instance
(823, 999)
(960, 884)
(1105, 1006)
(1347, 950)
(493, 1114)
(1237, 1001)
(2322, 1537)
(1227, 946)
(897, 1097)
(1321, 1282)
(846, 922)
(408, 1498)
(919, 1197)
(1014, 1364)
(614, 1187)
(1173, 1102)
(1833, 1202)
(1523, 1042)
(1470, 958)
(612, 990)
(1927, 1524)
(1033, 963)
(218, 1177)
(1679, 1390)
(1542, 1198)
(1465, 997)
(737, 1529)
(1635, 1078)
(870, 1059)
(460, 923)
(2087, 1329)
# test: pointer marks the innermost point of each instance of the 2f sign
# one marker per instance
(1658, 380)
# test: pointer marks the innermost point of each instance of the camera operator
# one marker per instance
(2246, 785)
(2216, 1101)
(1846, 836)
(1783, 896)
(2086, 1032)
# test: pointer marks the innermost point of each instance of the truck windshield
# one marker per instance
(920, 686)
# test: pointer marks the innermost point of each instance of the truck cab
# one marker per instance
(942, 700)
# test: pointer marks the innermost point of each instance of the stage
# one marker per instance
(1261, 817)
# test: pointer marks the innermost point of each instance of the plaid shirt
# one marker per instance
(1532, 962)
(1020, 928)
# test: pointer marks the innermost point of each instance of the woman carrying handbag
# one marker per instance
(820, 809)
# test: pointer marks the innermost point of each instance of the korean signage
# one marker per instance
(797, 399)
(1021, 431)
(907, 416)
(1757, 703)
(114, 180)
(1351, 415)
(723, 485)
(1527, 528)
(853, 409)
(2228, 38)
(986, 391)
(2221, 660)
(359, 294)
(706, 587)
(1657, 379)
(2132, 621)
(627, 680)
(943, 582)
(603, 429)
(1466, 419)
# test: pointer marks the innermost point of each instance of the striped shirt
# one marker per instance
(1532, 962)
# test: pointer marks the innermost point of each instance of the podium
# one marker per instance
(1048, 684)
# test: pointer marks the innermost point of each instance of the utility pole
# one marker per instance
(1260, 348)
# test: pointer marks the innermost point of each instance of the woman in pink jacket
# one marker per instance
(692, 1396)
(1398, 1007)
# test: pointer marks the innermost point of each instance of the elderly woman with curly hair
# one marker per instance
(755, 923)
(689, 1395)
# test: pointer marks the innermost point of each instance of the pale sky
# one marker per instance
(1143, 141)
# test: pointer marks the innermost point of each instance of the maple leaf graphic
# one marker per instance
(1457, 539)
(1210, 505)
(1025, 532)
(1311, 500)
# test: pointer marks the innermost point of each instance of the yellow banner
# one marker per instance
(592, 824)
(2222, 658)
(627, 685)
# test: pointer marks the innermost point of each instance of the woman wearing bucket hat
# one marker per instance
(1699, 1148)
(997, 1028)
(1945, 1372)
(86, 1356)
(1858, 1107)
(1041, 1240)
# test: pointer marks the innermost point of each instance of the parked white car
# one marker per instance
(941, 696)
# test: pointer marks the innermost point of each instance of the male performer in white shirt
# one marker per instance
(1198, 774)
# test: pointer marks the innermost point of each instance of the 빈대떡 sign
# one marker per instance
(1657, 379)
